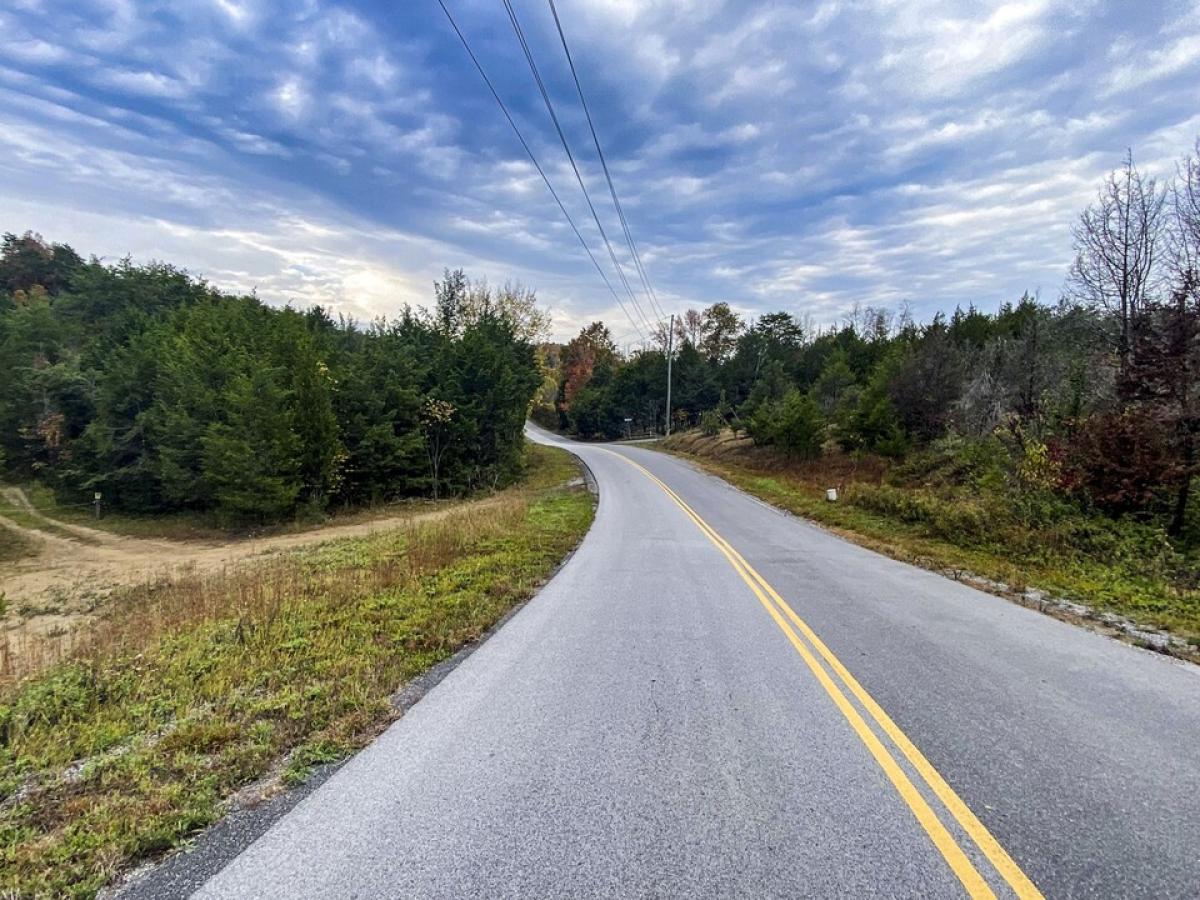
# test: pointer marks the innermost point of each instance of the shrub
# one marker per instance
(874, 424)
(801, 427)
(956, 460)
(711, 423)
(794, 425)
(546, 416)
(958, 521)
(1120, 461)
(761, 424)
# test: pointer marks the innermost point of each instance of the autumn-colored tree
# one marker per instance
(720, 327)
(29, 260)
(592, 347)
(461, 302)
(1120, 459)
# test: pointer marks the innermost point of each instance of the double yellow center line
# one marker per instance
(794, 628)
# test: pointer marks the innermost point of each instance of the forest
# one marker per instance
(1088, 403)
(151, 388)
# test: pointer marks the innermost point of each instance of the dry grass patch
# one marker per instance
(14, 546)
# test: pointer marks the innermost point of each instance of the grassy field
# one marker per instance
(189, 690)
(1117, 567)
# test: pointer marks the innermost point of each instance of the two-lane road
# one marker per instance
(713, 699)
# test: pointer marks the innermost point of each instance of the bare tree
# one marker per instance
(1185, 215)
(1118, 241)
(853, 318)
(877, 323)
(660, 335)
(687, 329)
(808, 328)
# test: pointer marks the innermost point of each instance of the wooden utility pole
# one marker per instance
(670, 352)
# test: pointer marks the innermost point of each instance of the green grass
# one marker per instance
(192, 689)
(1119, 567)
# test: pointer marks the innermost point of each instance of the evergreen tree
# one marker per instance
(794, 425)
(252, 460)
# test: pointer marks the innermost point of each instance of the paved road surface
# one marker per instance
(659, 722)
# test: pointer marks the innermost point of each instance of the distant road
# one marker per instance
(715, 699)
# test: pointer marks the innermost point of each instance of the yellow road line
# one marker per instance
(991, 848)
(957, 860)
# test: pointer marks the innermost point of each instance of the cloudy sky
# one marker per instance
(801, 156)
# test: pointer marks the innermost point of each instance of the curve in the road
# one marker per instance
(642, 729)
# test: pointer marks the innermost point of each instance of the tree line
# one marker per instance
(1092, 398)
(161, 393)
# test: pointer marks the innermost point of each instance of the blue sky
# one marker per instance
(798, 156)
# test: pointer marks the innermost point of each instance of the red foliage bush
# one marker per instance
(1121, 461)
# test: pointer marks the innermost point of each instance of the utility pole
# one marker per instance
(670, 351)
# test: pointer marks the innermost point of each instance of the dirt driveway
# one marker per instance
(76, 567)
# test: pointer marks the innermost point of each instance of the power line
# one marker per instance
(532, 158)
(637, 258)
(541, 85)
(537, 77)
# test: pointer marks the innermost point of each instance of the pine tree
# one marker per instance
(252, 459)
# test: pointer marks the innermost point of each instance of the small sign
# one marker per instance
(627, 419)
(96, 495)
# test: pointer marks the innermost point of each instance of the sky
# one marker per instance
(805, 156)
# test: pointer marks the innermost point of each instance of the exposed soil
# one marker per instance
(76, 567)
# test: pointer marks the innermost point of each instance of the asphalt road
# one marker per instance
(715, 699)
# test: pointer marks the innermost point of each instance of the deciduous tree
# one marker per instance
(1119, 244)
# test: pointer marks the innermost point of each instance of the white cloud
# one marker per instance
(32, 51)
(291, 98)
(146, 84)
(933, 49)
(239, 14)
(807, 156)
(1147, 66)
